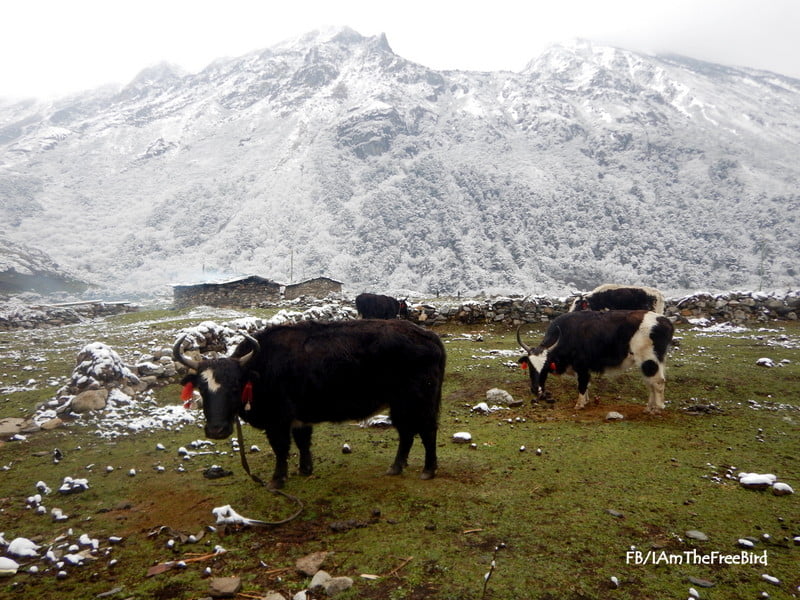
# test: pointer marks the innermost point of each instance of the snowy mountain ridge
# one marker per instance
(331, 155)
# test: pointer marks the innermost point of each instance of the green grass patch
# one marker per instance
(570, 517)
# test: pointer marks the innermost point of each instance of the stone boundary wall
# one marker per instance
(735, 307)
(244, 293)
(55, 315)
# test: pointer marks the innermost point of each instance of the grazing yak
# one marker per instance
(586, 342)
(376, 306)
(610, 296)
(288, 377)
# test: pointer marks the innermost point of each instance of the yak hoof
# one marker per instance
(394, 470)
(276, 484)
(427, 474)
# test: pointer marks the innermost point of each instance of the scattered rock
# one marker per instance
(498, 396)
(224, 587)
(8, 567)
(342, 526)
(765, 362)
(615, 513)
(694, 534)
(377, 421)
(319, 580)
(310, 564)
(757, 481)
(11, 426)
(782, 489)
(705, 583)
(89, 400)
(23, 547)
(462, 437)
(216, 472)
(51, 424)
(614, 416)
(336, 585)
(481, 408)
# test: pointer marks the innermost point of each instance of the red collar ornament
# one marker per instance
(247, 395)
(186, 395)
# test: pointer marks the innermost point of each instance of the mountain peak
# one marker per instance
(159, 75)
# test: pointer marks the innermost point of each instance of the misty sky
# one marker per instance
(55, 47)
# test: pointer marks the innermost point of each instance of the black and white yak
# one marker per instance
(586, 342)
(286, 378)
(610, 296)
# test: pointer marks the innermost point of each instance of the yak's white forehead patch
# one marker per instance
(211, 382)
(538, 361)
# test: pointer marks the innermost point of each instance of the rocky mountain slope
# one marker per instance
(28, 270)
(331, 155)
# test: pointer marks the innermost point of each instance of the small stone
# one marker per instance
(51, 424)
(89, 400)
(694, 534)
(498, 396)
(319, 580)
(756, 481)
(8, 567)
(309, 565)
(782, 489)
(462, 437)
(346, 449)
(614, 416)
(224, 587)
(705, 583)
(336, 585)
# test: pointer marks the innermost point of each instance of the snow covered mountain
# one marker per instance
(24, 269)
(331, 155)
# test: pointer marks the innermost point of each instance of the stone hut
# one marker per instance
(239, 293)
(319, 287)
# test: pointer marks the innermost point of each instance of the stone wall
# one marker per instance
(32, 317)
(244, 293)
(322, 287)
(736, 307)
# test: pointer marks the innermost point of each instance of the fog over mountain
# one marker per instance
(331, 155)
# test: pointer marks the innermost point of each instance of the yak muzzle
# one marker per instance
(219, 432)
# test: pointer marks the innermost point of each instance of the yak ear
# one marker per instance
(190, 378)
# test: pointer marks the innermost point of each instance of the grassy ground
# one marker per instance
(567, 518)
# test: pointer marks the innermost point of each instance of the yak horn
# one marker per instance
(256, 347)
(177, 354)
(522, 344)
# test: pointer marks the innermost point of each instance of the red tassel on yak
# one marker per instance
(186, 395)
(247, 395)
